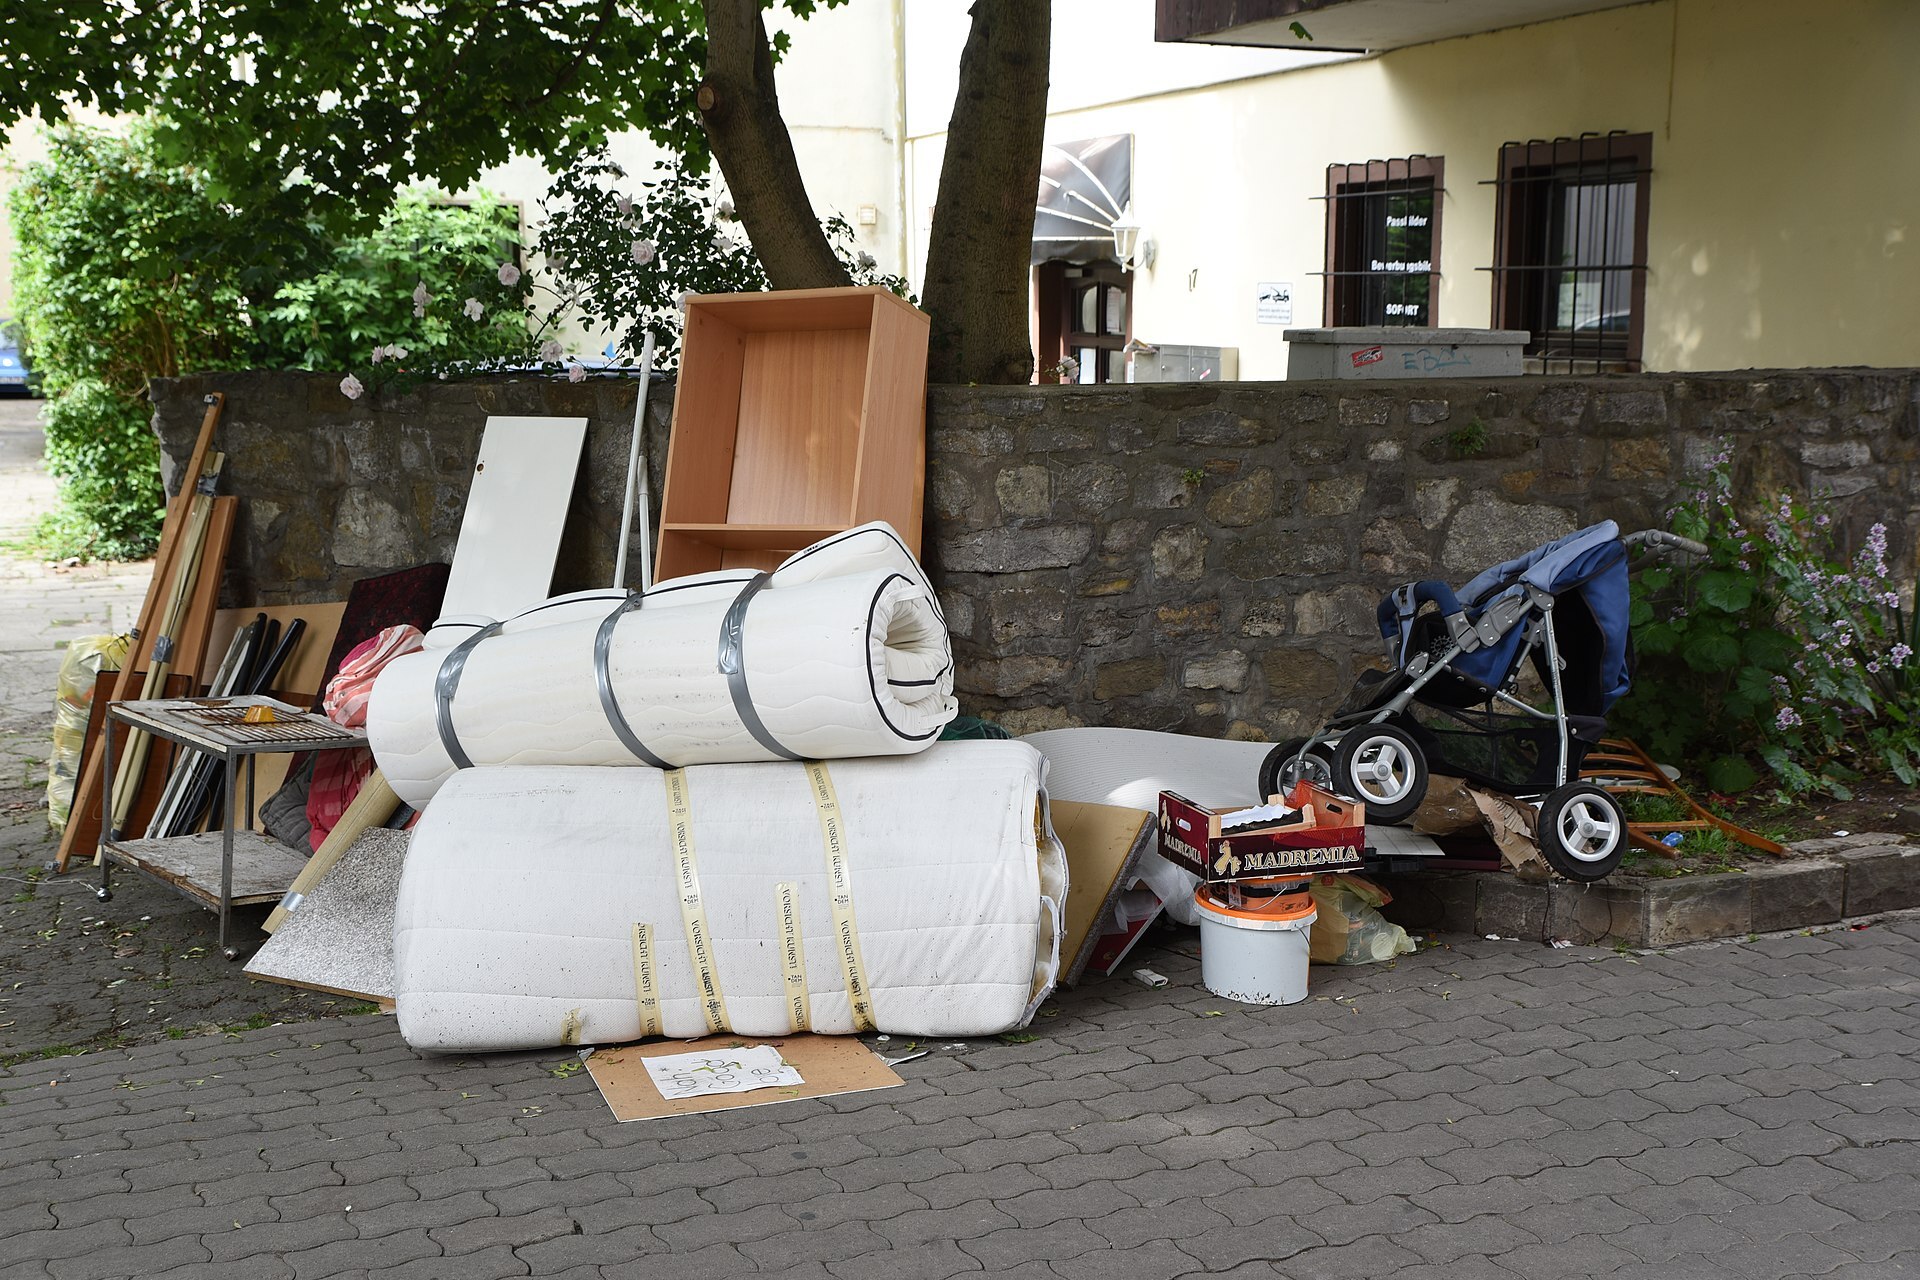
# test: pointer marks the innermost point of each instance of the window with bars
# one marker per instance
(1383, 242)
(1084, 312)
(1570, 248)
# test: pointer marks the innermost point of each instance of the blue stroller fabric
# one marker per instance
(1589, 565)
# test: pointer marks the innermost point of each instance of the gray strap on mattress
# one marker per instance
(445, 684)
(733, 665)
(616, 719)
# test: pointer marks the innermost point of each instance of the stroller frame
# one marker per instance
(1366, 752)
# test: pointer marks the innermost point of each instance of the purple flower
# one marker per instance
(1873, 668)
(576, 372)
(1787, 718)
(350, 387)
(1899, 655)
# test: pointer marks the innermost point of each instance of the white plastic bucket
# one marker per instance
(1256, 955)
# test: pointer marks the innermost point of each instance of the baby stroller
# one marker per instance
(1450, 701)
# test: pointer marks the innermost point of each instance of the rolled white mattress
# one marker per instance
(515, 925)
(841, 652)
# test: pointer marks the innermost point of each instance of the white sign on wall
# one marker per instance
(1273, 304)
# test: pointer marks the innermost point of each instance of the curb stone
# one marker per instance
(1852, 876)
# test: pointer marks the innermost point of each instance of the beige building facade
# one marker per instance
(1772, 168)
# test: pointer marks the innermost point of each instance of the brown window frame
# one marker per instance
(1348, 184)
(1527, 213)
(1055, 292)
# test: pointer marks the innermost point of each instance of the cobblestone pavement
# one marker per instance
(1482, 1109)
(1486, 1109)
(75, 972)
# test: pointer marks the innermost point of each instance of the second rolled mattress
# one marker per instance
(841, 651)
(917, 895)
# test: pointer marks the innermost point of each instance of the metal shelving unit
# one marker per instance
(223, 868)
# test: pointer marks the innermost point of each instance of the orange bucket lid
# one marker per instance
(1282, 906)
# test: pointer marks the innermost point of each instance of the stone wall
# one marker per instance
(334, 490)
(1200, 558)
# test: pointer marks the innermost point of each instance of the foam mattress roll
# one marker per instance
(840, 652)
(940, 916)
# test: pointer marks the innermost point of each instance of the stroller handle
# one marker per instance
(1432, 590)
(1660, 540)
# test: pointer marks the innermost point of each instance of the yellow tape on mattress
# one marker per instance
(793, 956)
(840, 895)
(643, 988)
(713, 1001)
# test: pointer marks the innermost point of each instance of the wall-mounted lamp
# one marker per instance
(1126, 237)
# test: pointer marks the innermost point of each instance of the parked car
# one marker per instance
(13, 366)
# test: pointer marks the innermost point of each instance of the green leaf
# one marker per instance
(1768, 649)
(1299, 32)
(1731, 774)
(1711, 651)
(1726, 589)
(1657, 638)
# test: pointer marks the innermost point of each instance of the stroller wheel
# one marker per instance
(1383, 768)
(1583, 833)
(1281, 770)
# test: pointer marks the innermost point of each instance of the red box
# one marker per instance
(1326, 833)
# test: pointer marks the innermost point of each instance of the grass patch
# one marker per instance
(43, 1053)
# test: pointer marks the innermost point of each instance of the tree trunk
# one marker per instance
(741, 116)
(982, 240)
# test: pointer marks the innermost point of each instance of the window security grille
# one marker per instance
(1570, 248)
(1383, 242)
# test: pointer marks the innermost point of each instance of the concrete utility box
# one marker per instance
(1171, 363)
(1374, 353)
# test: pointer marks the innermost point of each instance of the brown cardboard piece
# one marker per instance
(1447, 809)
(1104, 844)
(1512, 827)
(828, 1064)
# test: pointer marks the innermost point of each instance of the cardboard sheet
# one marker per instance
(827, 1064)
(1104, 844)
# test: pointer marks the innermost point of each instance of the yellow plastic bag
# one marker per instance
(1348, 927)
(85, 659)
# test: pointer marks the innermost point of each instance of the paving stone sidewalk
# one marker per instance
(1487, 1109)
(1482, 1109)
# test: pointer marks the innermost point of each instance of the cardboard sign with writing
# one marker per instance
(827, 1065)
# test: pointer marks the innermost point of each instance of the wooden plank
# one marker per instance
(758, 537)
(890, 474)
(706, 417)
(299, 681)
(262, 868)
(86, 790)
(800, 427)
(790, 309)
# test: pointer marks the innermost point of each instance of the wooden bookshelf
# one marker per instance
(797, 414)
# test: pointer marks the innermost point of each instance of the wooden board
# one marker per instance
(341, 939)
(262, 868)
(799, 435)
(510, 533)
(1104, 844)
(299, 680)
(829, 1065)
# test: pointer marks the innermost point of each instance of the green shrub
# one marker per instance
(1780, 645)
(128, 269)
(114, 285)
